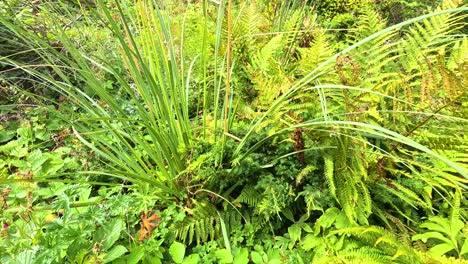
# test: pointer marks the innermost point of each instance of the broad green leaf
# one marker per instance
(25, 133)
(294, 232)
(242, 256)
(119, 261)
(310, 241)
(256, 257)
(443, 222)
(114, 253)
(274, 261)
(19, 164)
(288, 213)
(328, 218)
(437, 223)
(428, 235)
(464, 248)
(307, 228)
(26, 257)
(456, 228)
(79, 256)
(440, 249)
(299, 259)
(148, 259)
(6, 135)
(177, 252)
(192, 259)
(51, 166)
(273, 253)
(109, 233)
(224, 256)
(15, 149)
(135, 255)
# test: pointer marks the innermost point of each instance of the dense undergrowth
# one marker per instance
(233, 132)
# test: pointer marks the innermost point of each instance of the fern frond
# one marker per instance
(319, 51)
(358, 256)
(263, 59)
(347, 195)
(455, 210)
(204, 225)
(249, 196)
(329, 174)
(402, 194)
(385, 244)
(401, 229)
(304, 173)
(365, 203)
(248, 22)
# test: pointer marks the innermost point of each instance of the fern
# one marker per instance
(328, 173)
(276, 195)
(362, 255)
(386, 247)
(346, 175)
(248, 22)
(266, 66)
(203, 227)
(335, 239)
(416, 55)
(249, 196)
(310, 57)
(420, 47)
(304, 173)
(263, 61)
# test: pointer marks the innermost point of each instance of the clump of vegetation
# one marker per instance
(330, 9)
(232, 132)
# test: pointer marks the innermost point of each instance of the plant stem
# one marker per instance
(228, 66)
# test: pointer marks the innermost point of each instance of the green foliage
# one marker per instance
(330, 8)
(91, 40)
(397, 11)
(336, 146)
(449, 233)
